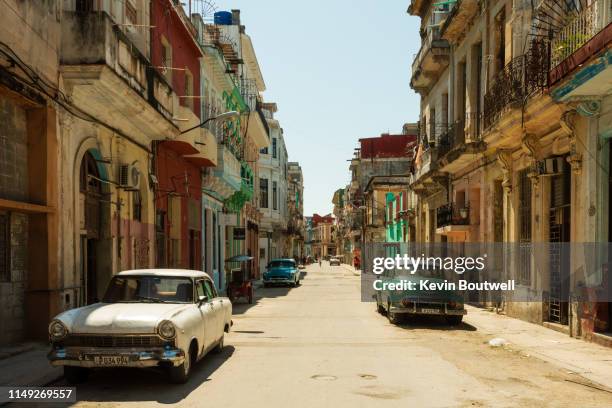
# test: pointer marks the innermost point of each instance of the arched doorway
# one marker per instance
(90, 188)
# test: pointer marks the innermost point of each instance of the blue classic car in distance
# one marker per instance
(282, 272)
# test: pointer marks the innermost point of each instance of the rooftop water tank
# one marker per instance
(223, 18)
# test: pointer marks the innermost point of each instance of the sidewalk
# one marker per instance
(351, 268)
(576, 356)
(27, 365)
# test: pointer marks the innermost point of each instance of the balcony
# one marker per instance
(107, 76)
(431, 60)
(585, 36)
(452, 219)
(223, 180)
(460, 143)
(522, 78)
(206, 155)
(581, 29)
(245, 193)
(458, 21)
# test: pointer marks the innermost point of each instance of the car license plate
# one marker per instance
(430, 311)
(111, 361)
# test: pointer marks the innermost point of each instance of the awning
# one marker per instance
(239, 258)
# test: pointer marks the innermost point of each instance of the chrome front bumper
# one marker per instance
(279, 280)
(419, 311)
(86, 356)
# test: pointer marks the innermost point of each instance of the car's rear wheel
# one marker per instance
(180, 374)
(219, 347)
(76, 375)
(454, 320)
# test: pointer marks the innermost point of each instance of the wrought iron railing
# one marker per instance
(467, 130)
(450, 214)
(580, 29)
(520, 79)
(433, 34)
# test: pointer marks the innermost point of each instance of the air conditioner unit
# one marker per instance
(129, 177)
(551, 166)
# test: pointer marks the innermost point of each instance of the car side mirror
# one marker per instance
(202, 299)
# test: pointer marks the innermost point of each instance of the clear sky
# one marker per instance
(339, 70)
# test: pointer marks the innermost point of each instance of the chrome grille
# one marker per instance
(113, 341)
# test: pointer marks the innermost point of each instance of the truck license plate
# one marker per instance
(111, 361)
(430, 311)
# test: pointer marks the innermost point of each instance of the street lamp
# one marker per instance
(223, 116)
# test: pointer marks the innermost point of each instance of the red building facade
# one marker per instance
(178, 191)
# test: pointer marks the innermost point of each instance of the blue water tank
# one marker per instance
(223, 18)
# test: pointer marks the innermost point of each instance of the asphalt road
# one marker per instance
(318, 346)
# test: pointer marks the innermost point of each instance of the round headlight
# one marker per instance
(57, 330)
(166, 330)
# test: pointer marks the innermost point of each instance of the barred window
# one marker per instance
(263, 192)
(5, 248)
(524, 219)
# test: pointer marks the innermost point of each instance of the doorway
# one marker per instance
(559, 234)
(90, 188)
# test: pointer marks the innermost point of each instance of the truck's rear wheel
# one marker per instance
(454, 320)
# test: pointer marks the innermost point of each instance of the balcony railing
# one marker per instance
(451, 214)
(463, 131)
(580, 29)
(431, 39)
(520, 79)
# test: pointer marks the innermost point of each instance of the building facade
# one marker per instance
(295, 209)
(112, 156)
(273, 177)
(512, 144)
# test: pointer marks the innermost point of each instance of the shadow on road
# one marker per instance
(111, 385)
(433, 323)
(241, 306)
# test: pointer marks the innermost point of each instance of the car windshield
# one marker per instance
(149, 289)
(282, 264)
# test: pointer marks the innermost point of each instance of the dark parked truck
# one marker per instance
(422, 293)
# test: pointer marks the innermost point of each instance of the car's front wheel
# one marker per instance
(379, 307)
(76, 375)
(393, 317)
(180, 374)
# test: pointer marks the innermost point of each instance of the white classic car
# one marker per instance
(154, 317)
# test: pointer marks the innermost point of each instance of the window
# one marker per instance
(160, 239)
(137, 206)
(263, 192)
(149, 289)
(130, 13)
(274, 150)
(264, 150)
(210, 289)
(166, 59)
(214, 240)
(275, 195)
(200, 290)
(5, 248)
(188, 89)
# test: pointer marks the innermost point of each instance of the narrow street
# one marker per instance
(319, 346)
